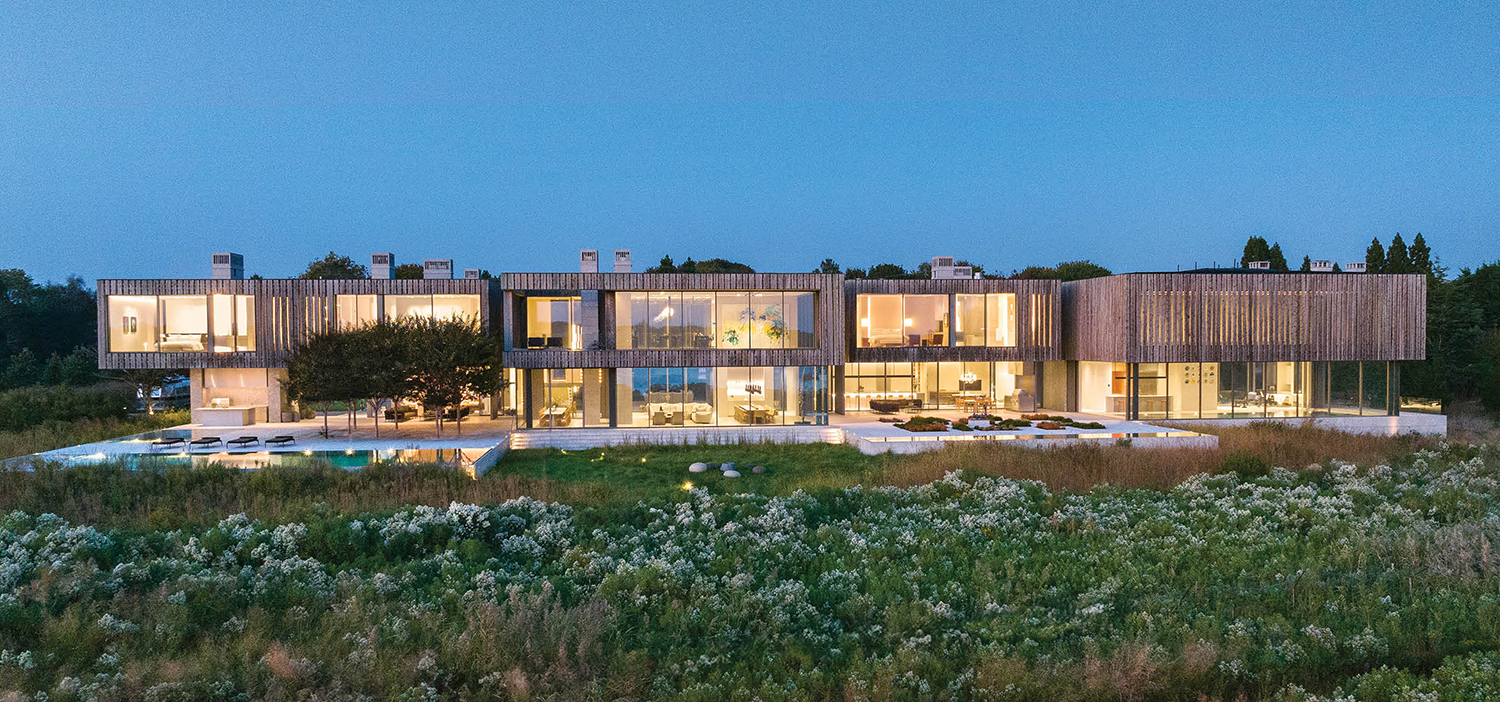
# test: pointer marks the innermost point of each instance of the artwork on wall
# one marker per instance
(128, 324)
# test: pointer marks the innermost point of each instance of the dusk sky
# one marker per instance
(135, 138)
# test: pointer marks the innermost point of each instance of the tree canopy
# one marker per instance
(712, 265)
(436, 362)
(334, 267)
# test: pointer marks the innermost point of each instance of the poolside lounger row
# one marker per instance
(210, 441)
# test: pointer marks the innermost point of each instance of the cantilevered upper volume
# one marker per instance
(609, 347)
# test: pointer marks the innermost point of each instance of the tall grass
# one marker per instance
(617, 477)
(55, 435)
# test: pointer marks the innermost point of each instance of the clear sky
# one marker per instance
(136, 138)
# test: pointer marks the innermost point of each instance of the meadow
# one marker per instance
(1370, 576)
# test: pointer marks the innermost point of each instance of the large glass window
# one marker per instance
(464, 307)
(356, 310)
(971, 386)
(1001, 319)
(184, 323)
(552, 323)
(768, 325)
(415, 306)
(734, 320)
(698, 320)
(926, 320)
(707, 320)
(132, 323)
(969, 327)
(234, 323)
(880, 321)
(902, 320)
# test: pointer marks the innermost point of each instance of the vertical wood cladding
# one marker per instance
(1038, 320)
(1180, 317)
(286, 312)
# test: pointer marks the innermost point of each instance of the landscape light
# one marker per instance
(687, 485)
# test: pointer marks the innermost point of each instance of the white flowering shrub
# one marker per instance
(1293, 585)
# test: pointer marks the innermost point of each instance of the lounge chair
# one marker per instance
(168, 442)
(243, 442)
(281, 440)
(205, 442)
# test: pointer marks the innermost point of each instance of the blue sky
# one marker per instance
(135, 138)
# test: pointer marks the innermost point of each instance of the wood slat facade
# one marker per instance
(286, 312)
(828, 324)
(1212, 317)
(1038, 320)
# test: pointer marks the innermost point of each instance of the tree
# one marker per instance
(856, 274)
(665, 266)
(318, 371)
(448, 361)
(1397, 260)
(1256, 249)
(80, 367)
(52, 372)
(1080, 270)
(887, 271)
(408, 271)
(334, 267)
(24, 369)
(1278, 260)
(1375, 257)
(1421, 256)
(1306, 264)
(829, 266)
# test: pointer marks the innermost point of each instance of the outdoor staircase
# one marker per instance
(569, 439)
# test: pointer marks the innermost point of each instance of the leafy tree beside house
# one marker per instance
(408, 271)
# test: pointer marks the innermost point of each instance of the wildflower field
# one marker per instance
(1374, 582)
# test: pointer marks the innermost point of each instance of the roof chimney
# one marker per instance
(943, 269)
(622, 260)
(471, 274)
(588, 261)
(382, 266)
(437, 268)
(228, 266)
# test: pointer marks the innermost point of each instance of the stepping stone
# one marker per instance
(731, 474)
(698, 467)
(758, 469)
(727, 467)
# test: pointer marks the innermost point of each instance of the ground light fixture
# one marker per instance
(687, 485)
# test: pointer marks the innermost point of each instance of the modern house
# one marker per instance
(616, 348)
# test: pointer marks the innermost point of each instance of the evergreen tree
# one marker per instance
(1420, 255)
(1306, 264)
(408, 271)
(828, 266)
(1375, 257)
(1278, 260)
(1256, 249)
(1396, 258)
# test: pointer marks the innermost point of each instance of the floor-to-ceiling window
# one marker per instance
(710, 319)
(554, 323)
(974, 386)
(1238, 390)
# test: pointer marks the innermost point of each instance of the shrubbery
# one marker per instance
(27, 407)
(966, 588)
